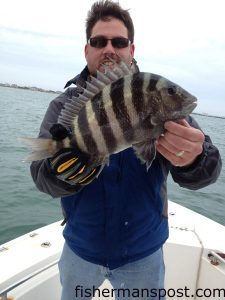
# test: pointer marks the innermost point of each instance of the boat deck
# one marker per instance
(28, 264)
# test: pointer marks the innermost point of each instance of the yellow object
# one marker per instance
(85, 178)
(66, 165)
(80, 172)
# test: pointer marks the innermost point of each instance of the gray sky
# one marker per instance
(42, 43)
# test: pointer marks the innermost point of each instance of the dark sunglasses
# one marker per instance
(101, 42)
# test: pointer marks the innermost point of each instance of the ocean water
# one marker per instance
(23, 208)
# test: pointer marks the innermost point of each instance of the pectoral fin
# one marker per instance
(146, 151)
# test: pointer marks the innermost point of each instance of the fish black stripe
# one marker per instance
(155, 97)
(152, 83)
(103, 122)
(74, 144)
(137, 92)
(120, 109)
(138, 97)
(86, 132)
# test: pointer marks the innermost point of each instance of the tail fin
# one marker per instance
(41, 148)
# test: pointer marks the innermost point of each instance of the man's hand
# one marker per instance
(181, 143)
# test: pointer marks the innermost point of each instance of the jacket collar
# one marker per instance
(79, 79)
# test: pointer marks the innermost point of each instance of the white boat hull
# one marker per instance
(28, 264)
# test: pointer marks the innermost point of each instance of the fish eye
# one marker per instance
(171, 90)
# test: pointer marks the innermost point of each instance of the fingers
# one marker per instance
(177, 157)
(181, 143)
(175, 142)
(183, 129)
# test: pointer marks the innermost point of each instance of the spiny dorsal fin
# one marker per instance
(110, 75)
(93, 87)
(103, 78)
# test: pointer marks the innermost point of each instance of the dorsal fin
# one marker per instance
(103, 78)
(93, 87)
(110, 75)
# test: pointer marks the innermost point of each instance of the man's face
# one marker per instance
(97, 58)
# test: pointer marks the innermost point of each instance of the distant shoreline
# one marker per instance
(207, 115)
(30, 88)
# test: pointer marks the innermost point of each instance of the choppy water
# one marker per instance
(23, 208)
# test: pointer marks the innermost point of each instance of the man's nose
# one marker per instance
(109, 47)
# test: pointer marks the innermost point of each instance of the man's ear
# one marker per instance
(86, 50)
(132, 49)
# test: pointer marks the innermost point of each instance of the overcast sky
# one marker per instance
(42, 43)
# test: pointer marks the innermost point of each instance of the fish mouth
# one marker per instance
(187, 107)
(190, 104)
(191, 107)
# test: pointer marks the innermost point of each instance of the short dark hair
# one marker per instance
(103, 10)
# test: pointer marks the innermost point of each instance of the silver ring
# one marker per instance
(180, 153)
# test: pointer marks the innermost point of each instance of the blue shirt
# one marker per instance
(118, 218)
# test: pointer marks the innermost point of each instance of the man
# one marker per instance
(116, 224)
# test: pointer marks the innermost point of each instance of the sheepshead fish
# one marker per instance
(118, 109)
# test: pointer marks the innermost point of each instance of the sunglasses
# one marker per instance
(101, 42)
